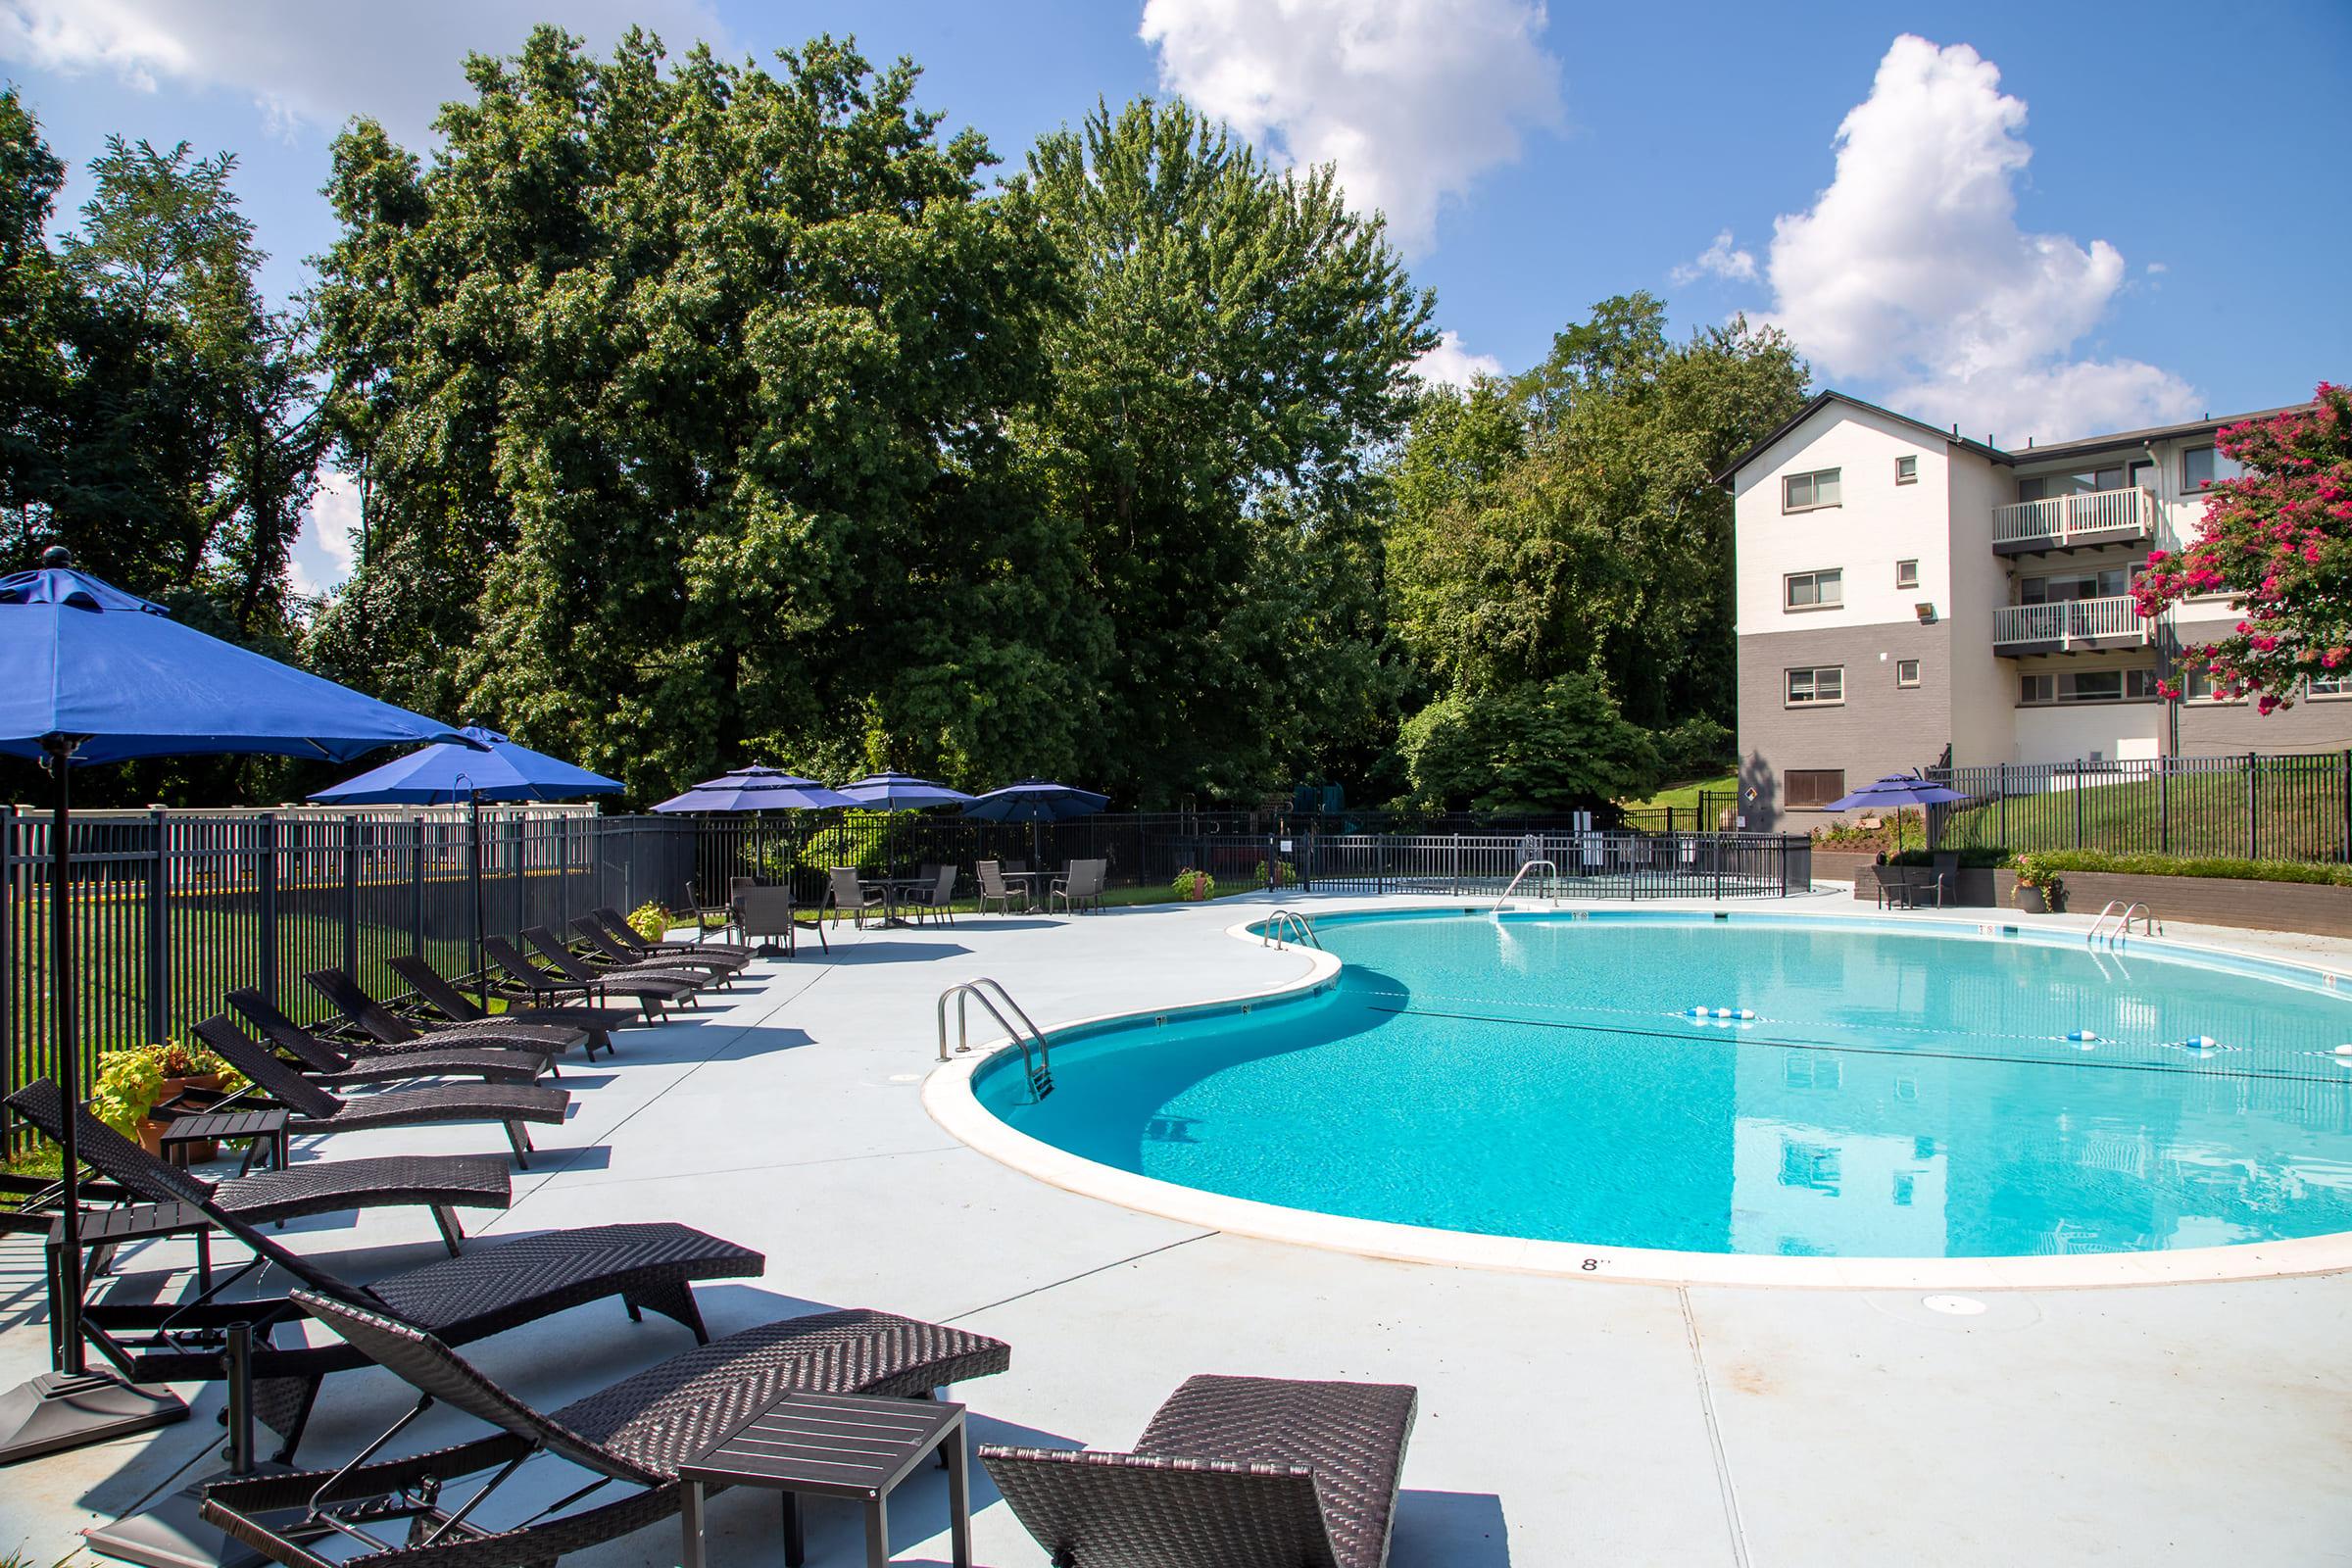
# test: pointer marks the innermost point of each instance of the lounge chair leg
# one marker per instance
(796, 1543)
(451, 1237)
(521, 1144)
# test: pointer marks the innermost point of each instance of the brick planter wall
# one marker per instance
(2218, 901)
(1978, 888)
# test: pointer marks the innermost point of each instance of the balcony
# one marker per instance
(2068, 625)
(2078, 522)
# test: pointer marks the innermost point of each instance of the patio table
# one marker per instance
(892, 889)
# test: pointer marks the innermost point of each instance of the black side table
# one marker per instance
(255, 1128)
(835, 1446)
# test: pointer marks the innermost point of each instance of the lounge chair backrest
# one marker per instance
(735, 885)
(271, 1076)
(557, 953)
(765, 911)
(623, 935)
(425, 1363)
(444, 998)
(843, 879)
(348, 996)
(943, 888)
(1086, 878)
(596, 939)
(992, 878)
(1199, 1513)
(285, 1034)
(509, 958)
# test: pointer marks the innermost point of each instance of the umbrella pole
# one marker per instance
(474, 862)
(72, 1405)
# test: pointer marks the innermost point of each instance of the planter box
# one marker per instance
(1976, 888)
(1841, 865)
(2308, 906)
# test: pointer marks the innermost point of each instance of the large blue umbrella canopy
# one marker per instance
(901, 792)
(89, 673)
(1035, 799)
(499, 770)
(757, 789)
(1896, 790)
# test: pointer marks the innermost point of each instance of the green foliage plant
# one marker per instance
(1195, 887)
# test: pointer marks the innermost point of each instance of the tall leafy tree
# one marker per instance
(1238, 350)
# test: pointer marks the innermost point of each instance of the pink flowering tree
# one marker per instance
(2280, 540)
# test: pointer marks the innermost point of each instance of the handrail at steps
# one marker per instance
(1039, 1068)
(1302, 929)
(2149, 925)
(1548, 868)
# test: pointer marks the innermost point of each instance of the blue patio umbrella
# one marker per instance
(901, 792)
(488, 767)
(1896, 791)
(89, 673)
(1034, 800)
(756, 789)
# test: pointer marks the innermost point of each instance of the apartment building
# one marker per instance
(1902, 589)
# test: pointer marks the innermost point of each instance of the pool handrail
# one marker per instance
(2148, 924)
(1039, 1068)
(1302, 929)
(1526, 866)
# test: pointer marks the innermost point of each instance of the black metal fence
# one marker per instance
(2250, 805)
(1593, 864)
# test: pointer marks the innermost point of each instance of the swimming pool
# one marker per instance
(1870, 1090)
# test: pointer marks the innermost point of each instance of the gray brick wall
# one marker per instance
(1880, 728)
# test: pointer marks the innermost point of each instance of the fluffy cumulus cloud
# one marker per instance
(1412, 100)
(327, 549)
(1451, 364)
(1719, 260)
(1912, 273)
(316, 62)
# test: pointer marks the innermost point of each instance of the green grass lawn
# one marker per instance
(2198, 817)
(1685, 797)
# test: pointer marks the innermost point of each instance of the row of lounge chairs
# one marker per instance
(1246, 1472)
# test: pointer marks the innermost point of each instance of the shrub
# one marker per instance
(2051, 862)
(132, 1081)
(1194, 886)
(1285, 876)
(1975, 857)
(650, 920)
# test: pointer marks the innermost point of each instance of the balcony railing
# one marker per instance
(2070, 621)
(2106, 515)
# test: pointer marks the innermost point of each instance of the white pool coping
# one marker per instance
(948, 1097)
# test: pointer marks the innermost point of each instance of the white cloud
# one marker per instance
(327, 549)
(1911, 271)
(1451, 364)
(1719, 260)
(316, 63)
(1412, 99)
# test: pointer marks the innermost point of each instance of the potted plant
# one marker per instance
(132, 1084)
(2039, 890)
(1194, 886)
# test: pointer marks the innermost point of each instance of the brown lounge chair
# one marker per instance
(626, 934)
(548, 988)
(602, 953)
(492, 1288)
(635, 1433)
(378, 1023)
(442, 1183)
(318, 1109)
(331, 1064)
(668, 985)
(455, 1006)
(1230, 1473)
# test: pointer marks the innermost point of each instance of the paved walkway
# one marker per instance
(1561, 1420)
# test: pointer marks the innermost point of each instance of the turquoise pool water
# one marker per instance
(1895, 1093)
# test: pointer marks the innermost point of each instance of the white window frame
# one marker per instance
(2196, 687)
(1812, 686)
(2190, 487)
(1906, 574)
(1907, 468)
(2339, 686)
(1899, 665)
(1811, 479)
(2142, 675)
(1834, 576)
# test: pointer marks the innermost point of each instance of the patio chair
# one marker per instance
(553, 989)
(436, 992)
(492, 1287)
(705, 915)
(315, 1108)
(1081, 888)
(636, 1433)
(329, 1064)
(765, 913)
(842, 892)
(604, 952)
(1231, 1473)
(620, 931)
(380, 1024)
(672, 985)
(1947, 875)
(442, 1183)
(938, 901)
(995, 889)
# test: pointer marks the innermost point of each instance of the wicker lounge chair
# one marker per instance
(291, 1037)
(670, 985)
(1081, 888)
(993, 889)
(1230, 1473)
(620, 931)
(842, 892)
(316, 1109)
(603, 952)
(495, 1286)
(635, 1433)
(453, 1004)
(380, 1023)
(548, 988)
(442, 1183)
(329, 1064)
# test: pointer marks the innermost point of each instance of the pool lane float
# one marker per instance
(1743, 1014)
(2081, 1036)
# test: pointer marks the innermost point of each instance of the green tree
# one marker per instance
(1537, 747)
(1238, 350)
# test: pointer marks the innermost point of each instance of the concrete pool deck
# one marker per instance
(1560, 1420)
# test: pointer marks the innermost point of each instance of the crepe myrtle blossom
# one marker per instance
(2278, 541)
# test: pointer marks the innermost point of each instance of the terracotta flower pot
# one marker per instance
(2030, 900)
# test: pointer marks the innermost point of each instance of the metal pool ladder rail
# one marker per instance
(2148, 925)
(1302, 929)
(1037, 1061)
(1550, 871)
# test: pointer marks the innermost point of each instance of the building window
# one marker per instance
(2140, 475)
(1810, 687)
(1906, 574)
(2204, 465)
(2087, 686)
(1802, 492)
(1906, 673)
(2337, 683)
(1813, 590)
(2083, 481)
(1815, 786)
(1906, 470)
(2105, 582)
(2196, 686)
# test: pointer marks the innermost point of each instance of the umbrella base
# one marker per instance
(174, 1535)
(60, 1410)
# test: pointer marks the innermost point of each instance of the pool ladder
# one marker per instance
(1037, 1060)
(1550, 871)
(1300, 928)
(2148, 925)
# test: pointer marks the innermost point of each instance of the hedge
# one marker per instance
(2043, 863)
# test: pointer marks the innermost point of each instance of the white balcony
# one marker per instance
(2111, 622)
(2090, 518)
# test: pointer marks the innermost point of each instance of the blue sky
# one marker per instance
(2045, 219)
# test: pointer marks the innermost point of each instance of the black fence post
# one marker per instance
(159, 931)
(417, 886)
(351, 895)
(564, 873)
(8, 969)
(522, 917)
(2253, 807)
(2344, 778)
(2079, 805)
(265, 887)
(2163, 804)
